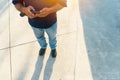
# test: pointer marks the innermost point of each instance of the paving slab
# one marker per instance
(83, 68)
(4, 29)
(66, 19)
(5, 68)
(27, 65)
(20, 30)
(23, 61)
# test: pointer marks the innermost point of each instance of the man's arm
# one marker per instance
(18, 4)
(20, 7)
(45, 11)
(56, 8)
(61, 4)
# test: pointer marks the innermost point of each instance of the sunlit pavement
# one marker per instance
(19, 59)
(88, 44)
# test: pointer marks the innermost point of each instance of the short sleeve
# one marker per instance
(63, 3)
(17, 1)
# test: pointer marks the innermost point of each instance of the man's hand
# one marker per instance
(44, 12)
(27, 11)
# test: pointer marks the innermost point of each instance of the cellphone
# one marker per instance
(35, 12)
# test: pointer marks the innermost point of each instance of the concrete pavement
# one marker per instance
(19, 48)
(88, 44)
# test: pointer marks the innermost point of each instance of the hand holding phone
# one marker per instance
(35, 12)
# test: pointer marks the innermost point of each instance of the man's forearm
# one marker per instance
(19, 7)
(56, 8)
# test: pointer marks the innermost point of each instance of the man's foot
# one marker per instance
(53, 53)
(42, 51)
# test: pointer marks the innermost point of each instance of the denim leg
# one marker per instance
(52, 35)
(39, 33)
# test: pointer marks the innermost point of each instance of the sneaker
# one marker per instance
(42, 51)
(53, 53)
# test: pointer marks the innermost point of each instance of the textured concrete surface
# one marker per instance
(5, 68)
(88, 44)
(24, 62)
(100, 19)
(4, 29)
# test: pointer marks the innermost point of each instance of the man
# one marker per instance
(42, 17)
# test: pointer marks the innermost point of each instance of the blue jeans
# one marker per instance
(51, 32)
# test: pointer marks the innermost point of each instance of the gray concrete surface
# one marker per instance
(4, 4)
(88, 44)
(23, 62)
(101, 24)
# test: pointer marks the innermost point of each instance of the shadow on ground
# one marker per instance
(38, 68)
(48, 68)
